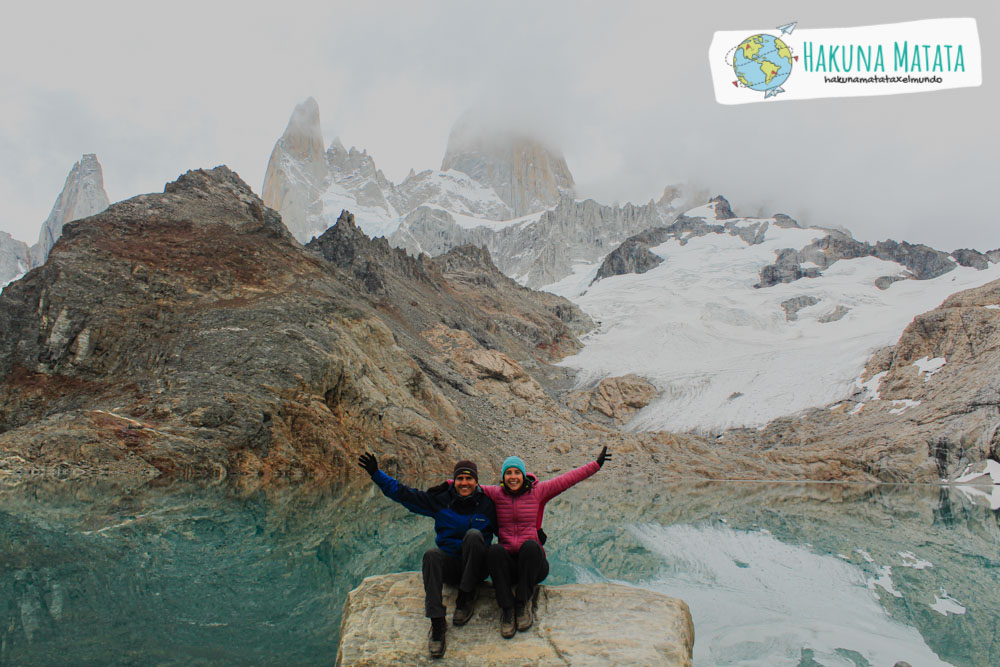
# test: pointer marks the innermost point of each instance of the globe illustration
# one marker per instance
(762, 62)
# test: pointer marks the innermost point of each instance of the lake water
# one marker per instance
(775, 574)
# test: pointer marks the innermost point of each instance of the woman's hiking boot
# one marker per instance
(524, 616)
(507, 626)
(464, 607)
(436, 638)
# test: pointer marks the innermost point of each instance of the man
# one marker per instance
(465, 521)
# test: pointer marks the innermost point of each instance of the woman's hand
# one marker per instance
(603, 456)
(370, 463)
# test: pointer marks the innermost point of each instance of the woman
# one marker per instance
(519, 559)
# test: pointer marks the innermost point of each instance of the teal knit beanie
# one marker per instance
(513, 462)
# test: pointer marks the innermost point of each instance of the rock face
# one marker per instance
(619, 398)
(527, 176)
(187, 333)
(15, 259)
(83, 195)
(921, 262)
(297, 169)
(537, 252)
(577, 624)
(633, 256)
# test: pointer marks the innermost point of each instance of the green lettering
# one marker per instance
(848, 66)
(833, 58)
(960, 59)
(865, 58)
(807, 56)
(937, 60)
(901, 57)
(821, 60)
(927, 57)
(915, 63)
(947, 49)
(879, 60)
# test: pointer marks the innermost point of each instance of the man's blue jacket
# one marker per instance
(453, 515)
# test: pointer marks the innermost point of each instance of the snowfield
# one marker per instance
(721, 353)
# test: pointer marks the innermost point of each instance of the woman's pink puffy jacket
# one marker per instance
(519, 517)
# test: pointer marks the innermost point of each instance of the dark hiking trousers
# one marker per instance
(521, 570)
(465, 572)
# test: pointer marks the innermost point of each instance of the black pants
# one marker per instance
(521, 570)
(465, 572)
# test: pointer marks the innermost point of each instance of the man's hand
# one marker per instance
(443, 486)
(603, 456)
(370, 463)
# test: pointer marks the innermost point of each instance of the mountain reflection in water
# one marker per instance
(799, 574)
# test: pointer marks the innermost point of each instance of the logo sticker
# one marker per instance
(785, 63)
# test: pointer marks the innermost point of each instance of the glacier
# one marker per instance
(720, 351)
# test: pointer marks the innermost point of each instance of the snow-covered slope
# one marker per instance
(453, 191)
(723, 353)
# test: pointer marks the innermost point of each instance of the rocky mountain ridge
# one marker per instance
(496, 187)
(187, 333)
(920, 261)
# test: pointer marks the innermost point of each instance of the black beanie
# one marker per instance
(467, 467)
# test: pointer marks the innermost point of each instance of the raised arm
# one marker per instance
(553, 487)
(419, 502)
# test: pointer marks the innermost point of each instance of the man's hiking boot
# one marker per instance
(507, 627)
(464, 607)
(524, 616)
(436, 638)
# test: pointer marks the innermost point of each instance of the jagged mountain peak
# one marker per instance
(297, 169)
(82, 195)
(527, 174)
(310, 186)
(303, 136)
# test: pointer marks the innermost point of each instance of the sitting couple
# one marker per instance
(466, 517)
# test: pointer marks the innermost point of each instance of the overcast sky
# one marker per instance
(624, 90)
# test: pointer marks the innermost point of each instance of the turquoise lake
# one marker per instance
(774, 574)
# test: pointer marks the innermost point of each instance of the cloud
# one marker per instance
(623, 90)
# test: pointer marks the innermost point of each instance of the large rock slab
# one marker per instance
(578, 624)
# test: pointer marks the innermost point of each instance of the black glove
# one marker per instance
(603, 456)
(542, 537)
(443, 486)
(369, 463)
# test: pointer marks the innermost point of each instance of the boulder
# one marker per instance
(580, 624)
(618, 397)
